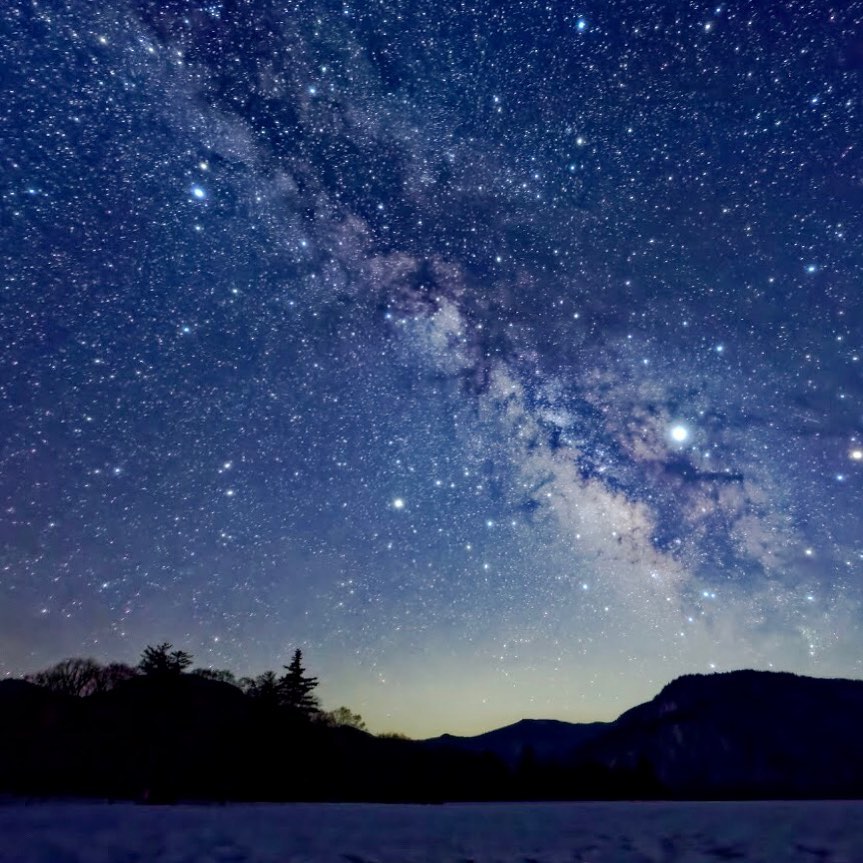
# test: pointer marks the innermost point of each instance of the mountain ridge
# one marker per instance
(741, 734)
(737, 733)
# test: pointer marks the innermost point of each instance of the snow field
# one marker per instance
(771, 832)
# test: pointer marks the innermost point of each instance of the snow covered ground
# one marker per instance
(346, 833)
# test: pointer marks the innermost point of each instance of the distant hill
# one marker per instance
(741, 734)
(543, 739)
(734, 734)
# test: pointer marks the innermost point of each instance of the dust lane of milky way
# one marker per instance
(504, 356)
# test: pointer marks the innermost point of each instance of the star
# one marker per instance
(679, 433)
(518, 341)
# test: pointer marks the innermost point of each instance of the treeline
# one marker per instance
(161, 731)
(292, 691)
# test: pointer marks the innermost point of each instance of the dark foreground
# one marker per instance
(770, 832)
(736, 736)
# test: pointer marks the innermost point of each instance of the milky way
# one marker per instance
(506, 357)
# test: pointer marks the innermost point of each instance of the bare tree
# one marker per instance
(345, 716)
(73, 676)
(113, 674)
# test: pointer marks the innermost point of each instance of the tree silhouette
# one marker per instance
(81, 676)
(73, 676)
(264, 689)
(113, 674)
(265, 685)
(223, 675)
(160, 661)
(345, 716)
(295, 688)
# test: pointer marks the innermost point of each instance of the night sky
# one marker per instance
(504, 356)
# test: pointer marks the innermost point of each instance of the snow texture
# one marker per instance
(774, 832)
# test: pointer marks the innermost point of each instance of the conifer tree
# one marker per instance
(161, 661)
(295, 688)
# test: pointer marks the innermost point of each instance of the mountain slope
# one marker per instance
(544, 739)
(742, 734)
(737, 734)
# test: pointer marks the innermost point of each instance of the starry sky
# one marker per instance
(504, 356)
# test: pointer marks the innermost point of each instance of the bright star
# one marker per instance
(679, 433)
(398, 503)
(857, 454)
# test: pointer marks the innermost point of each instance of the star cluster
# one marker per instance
(506, 356)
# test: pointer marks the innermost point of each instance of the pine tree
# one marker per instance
(161, 661)
(295, 688)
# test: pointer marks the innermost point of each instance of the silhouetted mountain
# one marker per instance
(546, 739)
(738, 734)
(743, 734)
(185, 736)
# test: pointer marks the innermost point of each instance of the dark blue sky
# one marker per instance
(504, 356)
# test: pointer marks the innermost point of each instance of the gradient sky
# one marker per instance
(504, 356)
